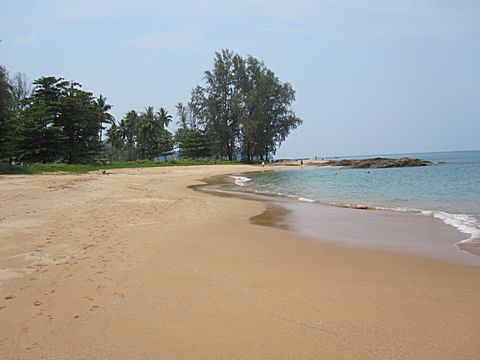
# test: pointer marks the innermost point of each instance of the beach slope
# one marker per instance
(137, 265)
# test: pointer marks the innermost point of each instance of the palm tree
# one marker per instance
(128, 127)
(164, 117)
(148, 131)
(105, 116)
(114, 136)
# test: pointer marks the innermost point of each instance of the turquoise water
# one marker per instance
(450, 191)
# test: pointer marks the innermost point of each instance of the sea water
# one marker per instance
(448, 190)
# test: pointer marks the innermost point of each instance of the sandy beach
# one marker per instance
(137, 265)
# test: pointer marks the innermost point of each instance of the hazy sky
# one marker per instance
(372, 76)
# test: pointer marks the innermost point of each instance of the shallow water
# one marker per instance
(448, 191)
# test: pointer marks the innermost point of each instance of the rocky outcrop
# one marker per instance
(379, 163)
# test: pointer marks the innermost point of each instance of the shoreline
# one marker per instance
(138, 265)
(436, 239)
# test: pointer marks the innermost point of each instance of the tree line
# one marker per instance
(241, 111)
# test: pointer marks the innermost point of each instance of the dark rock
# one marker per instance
(379, 163)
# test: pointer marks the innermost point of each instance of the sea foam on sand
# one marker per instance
(467, 224)
(240, 180)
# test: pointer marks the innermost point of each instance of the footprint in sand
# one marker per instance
(9, 297)
(37, 303)
(28, 348)
(40, 313)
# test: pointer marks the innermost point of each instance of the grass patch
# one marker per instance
(83, 168)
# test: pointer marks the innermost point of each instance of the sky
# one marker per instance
(371, 77)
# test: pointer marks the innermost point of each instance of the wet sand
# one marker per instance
(407, 233)
(401, 232)
(136, 265)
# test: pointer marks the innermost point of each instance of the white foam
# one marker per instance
(467, 224)
(306, 199)
(464, 223)
(402, 209)
(299, 198)
(240, 180)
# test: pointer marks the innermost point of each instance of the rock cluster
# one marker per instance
(379, 163)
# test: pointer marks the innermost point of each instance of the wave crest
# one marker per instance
(467, 224)
(240, 180)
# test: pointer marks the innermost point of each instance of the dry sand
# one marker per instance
(136, 265)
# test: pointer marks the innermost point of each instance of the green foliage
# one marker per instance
(165, 143)
(103, 109)
(21, 89)
(243, 109)
(141, 136)
(40, 168)
(6, 125)
(81, 121)
(148, 131)
(193, 143)
(59, 122)
(164, 117)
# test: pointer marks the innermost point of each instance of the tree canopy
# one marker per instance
(6, 130)
(142, 135)
(241, 111)
(60, 122)
(243, 108)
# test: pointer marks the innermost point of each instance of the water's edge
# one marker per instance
(283, 212)
(464, 223)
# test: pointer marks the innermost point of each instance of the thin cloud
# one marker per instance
(94, 8)
(288, 30)
(168, 40)
(77, 9)
(29, 38)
